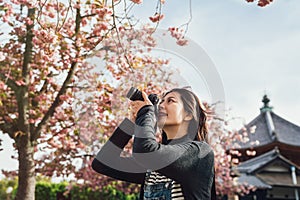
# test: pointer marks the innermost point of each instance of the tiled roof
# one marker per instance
(269, 127)
(286, 131)
(257, 162)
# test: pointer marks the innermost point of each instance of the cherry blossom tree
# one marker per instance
(51, 91)
(224, 140)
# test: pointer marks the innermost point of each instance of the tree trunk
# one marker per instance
(26, 182)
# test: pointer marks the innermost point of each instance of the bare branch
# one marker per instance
(118, 35)
(40, 10)
(69, 8)
(186, 25)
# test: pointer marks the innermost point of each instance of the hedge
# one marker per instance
(45, 190)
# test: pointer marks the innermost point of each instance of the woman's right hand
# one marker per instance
(135, 106)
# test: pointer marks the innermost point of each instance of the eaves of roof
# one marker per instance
(257, 163)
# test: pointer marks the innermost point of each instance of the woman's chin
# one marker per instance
(161, 123)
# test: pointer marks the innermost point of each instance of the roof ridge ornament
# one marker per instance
(266, 106)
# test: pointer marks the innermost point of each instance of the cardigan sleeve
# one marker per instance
(109, 162)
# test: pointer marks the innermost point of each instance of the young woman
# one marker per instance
(180, 167)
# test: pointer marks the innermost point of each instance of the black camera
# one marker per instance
(135, 94)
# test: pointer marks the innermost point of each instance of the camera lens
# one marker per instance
(134, 94)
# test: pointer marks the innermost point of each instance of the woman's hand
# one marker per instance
(137, 105)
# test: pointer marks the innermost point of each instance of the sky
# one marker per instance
(253, 49)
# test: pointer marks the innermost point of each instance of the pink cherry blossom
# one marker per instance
(182, 42)
(157, 17)
(2, 56)
(137, 1)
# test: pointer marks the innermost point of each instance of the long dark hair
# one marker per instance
(193, 106)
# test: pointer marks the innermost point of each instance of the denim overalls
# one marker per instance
(157, 191)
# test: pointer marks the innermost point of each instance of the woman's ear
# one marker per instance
(188, 117)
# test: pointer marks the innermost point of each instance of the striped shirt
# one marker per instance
(155, 177)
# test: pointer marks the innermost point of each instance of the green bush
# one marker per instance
(48, 191)
(45, 190)
(4, 185)
(108, 193)
(111, 193)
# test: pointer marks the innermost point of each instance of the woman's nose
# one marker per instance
(161, 106)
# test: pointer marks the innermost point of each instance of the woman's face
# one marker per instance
(171, 110)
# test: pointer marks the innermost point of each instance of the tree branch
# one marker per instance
(9, 127)
(22, 92)
(63, 88)
(5, 128)
(29, 45)
(55, 103)
(9, 82)
(118, 36)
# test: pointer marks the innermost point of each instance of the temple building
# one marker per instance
(270, 159)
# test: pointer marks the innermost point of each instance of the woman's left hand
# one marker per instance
(137, 105)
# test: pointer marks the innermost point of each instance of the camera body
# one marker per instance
(135, 94)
